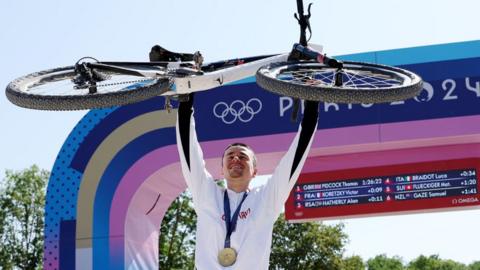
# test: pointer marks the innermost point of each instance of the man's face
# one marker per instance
(238, 164)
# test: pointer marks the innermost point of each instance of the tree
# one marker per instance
(434, 263)
(177, 235)
(353, 263)
(22, 202)
(382, 262)
(310, 245)
(474, 266)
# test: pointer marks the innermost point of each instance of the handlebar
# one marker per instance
(303, 21)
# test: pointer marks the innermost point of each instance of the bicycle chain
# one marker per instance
(168, 74)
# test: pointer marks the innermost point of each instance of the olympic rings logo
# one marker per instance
(237, 110)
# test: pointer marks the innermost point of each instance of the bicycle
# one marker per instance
(304, 73)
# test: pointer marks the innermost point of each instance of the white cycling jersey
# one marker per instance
(253, 235)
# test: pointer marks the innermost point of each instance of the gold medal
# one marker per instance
(227, 257)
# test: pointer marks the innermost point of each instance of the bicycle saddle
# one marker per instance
(158, 53)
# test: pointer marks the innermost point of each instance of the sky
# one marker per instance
(37, 35)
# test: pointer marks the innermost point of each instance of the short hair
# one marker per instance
(242, 145)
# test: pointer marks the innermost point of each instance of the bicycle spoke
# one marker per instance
(357, 79)
(353, 83)
(370, 80)
(62, 85)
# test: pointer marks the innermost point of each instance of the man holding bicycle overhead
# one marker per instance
(235, 224)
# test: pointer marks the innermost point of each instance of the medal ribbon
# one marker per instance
(231, 223)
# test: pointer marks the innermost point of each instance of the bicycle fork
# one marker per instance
(322, 58)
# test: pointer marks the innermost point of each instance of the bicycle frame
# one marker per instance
(198, 80)
(194, 82)
(201, 81)
(209, 80)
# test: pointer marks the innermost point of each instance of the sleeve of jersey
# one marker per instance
(198, 180)
(288, 170)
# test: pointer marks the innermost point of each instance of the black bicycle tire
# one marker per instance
(340, 94)
(79, 102)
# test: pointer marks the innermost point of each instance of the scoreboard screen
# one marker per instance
(384, 190)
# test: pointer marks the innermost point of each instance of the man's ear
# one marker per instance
(255, 172)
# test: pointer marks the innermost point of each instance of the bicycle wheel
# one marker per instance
(362, 82)
(56, 89)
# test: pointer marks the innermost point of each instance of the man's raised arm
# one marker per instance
(288, 170)
(191, 155)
